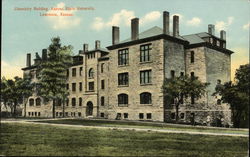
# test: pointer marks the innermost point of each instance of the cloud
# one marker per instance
(10, 70)
(222, 25)
(246, 26)
(195, 21)
(123, 18)
(240, 57)
(149, 17)
(63, 22)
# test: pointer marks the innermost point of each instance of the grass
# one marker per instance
(146, 125)
(43, 140)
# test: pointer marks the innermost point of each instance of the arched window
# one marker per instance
(38, 102)
(102, 67)
(145, 98)
(122, 100)
(91, 73)
(31, 102)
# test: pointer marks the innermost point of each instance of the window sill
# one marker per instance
(122, 105)
(123, 85)
(146, 62)
(123, 65)
(147, 104)
(90, 91)
(146, 84)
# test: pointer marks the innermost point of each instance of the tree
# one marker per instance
(178, 88)
(237, 95)
(13, 92)
(53, 73)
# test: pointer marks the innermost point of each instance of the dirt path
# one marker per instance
(124, 128)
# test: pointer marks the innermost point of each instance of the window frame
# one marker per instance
(146, 98)
(123, 99)
(145, 52)
(145, 77)
(123, 79)
(123, 57)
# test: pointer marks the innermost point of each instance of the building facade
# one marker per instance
(124, 80)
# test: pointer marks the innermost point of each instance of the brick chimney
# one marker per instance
(115, 35)
(97, 44)
(85, 47)
(166, 22)
(176, 26)
(135, 29)
(28, 61)
(44, 54)
(211, 29)
(223, 35)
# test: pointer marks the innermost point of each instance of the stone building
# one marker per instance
(124, 81)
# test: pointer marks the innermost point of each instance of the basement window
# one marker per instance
(141, 116)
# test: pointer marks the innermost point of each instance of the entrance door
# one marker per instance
(89, 109)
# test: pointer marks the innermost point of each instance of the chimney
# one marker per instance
(115, 35)
(85, 47)
(223, 35)
(211, 29)
(44, 54)
(28, 61)
(135, 29)
(166, 22)
(97, 44)
(176, 26)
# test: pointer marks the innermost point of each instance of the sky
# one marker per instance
(28, 31)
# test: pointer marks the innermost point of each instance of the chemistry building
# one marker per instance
(124, 80)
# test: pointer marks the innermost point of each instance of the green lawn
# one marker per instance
(146, 125)
(30, 139)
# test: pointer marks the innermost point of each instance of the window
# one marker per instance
(192, 57)
(38, 102)
(35, 113)
(102, 84)
(73, 87)
(79, 114)
(102, 115)
(182, 115)
(32, 113)
(80, 71)
(145, 52)
(122, 100)
(73, 72)
(80, 101)
(172, 73)
(141, 115)
(91, 86)
(145, 77)
(123, 79)
(66, 114)
(219, 102)
(123, 57)
(102, 101)
(102, 67)
(182, 74)
(118, 116)
(192, 99)
(172, 115)
(149, 115)
(145, 98)
(31, 102)
(29, 113)
(57, 114)
(192, 75)
(59, 102)
(67, 72)
(80, 86)
(218, 43)
(60, 114)
(125, 115)
(39, 114)
(91, 73)
(67, 86)
(67, 102)
(73, 101)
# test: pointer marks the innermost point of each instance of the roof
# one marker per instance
(154, 31)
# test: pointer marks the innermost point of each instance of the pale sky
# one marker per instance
(27, 32)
